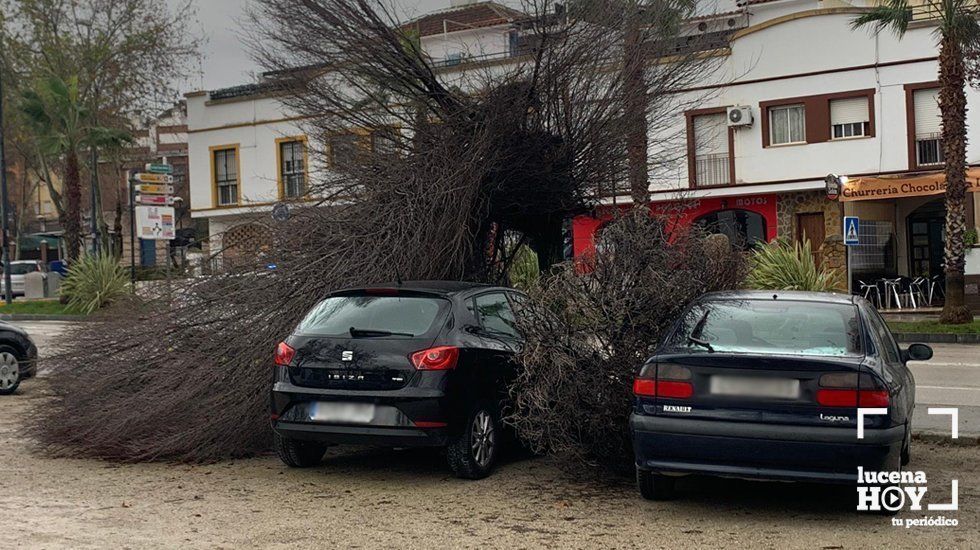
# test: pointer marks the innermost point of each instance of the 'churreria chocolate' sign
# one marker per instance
(883, 187)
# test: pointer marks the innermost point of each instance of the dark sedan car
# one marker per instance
(18, 357)
(409, 364)
(767, 386)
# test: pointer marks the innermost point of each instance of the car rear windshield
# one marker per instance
(22, 269)
(770, 327)
(399, 315)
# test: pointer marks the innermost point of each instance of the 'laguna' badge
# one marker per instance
(347, 355)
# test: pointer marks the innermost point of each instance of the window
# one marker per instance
(743, 228)
(385, 141)
(779, 327)
(928, 127)
(711, 154)
(292, 168)
(849, 118)
(401, 315)
(344, 149)
(889, 349)
(786, 125)
(495, 314)
(226, 176)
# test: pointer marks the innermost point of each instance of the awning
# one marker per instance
(903, 185)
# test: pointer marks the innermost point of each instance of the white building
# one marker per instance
(822, 98)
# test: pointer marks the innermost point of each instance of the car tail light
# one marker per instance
(841, 389)
(438, 358)
(284, 354)
(671, 381)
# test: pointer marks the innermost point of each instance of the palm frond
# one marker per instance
(892, 14)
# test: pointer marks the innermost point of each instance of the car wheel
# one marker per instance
(473, 454)
(298, 454)
(907, 447)
(9, 370)
(655, 486)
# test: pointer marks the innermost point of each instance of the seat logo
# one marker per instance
(347, 355)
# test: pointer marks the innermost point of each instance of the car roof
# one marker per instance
(445, 288)
(791, 295)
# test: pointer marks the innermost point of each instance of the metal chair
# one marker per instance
(919, 287)
(891, 287)
(871, 292)
(936, 287)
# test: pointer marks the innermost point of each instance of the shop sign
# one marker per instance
(873, 188)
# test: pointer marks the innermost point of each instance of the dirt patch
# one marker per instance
(377, 498)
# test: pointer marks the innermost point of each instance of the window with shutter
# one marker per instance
(928, 127)
(849, 118)
(711, 154)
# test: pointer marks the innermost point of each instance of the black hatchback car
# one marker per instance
(760, 385)
(409, 364)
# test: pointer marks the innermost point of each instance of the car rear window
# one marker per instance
(404, 315)
(771, 327)
(22, 269)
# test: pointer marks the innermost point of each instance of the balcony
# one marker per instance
(712, 170)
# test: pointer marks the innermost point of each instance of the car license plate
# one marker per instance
(782, 388)
(342, 413)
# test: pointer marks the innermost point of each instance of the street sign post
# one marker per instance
(852, 230)
(154, 200)
(159, 168)
(155, 189)
(144, 177)
(155, 223)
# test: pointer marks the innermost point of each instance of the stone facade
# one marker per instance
(832, 250)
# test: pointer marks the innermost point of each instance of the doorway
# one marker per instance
(927, 233)
(811, 227)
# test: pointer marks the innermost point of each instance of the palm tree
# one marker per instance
(64, 126)
(957, 31)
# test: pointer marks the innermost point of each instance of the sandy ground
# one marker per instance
(366, 498)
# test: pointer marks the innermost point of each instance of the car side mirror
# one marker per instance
(918, 352)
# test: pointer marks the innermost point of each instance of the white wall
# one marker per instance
(808, 45)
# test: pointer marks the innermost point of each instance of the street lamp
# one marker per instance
(7, 295)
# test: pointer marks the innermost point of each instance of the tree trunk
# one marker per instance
(635, 108)
(952, 104)
(73, 210)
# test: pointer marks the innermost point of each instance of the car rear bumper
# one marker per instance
(405, 417)
(762, 451)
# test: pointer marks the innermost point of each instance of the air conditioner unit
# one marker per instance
(740, 115)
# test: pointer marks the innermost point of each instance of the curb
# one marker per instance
(38, 317)
(936, 338)
(945, 439)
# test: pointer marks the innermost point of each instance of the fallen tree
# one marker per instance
(469, 172)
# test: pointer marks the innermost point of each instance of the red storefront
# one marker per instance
(753, 217)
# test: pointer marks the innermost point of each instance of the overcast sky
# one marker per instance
(225, 62)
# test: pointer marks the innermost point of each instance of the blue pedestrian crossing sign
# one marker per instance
(852, 228)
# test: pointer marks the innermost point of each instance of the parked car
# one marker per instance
(18, 271)
(410, 364)
(766, 385)
(18, 357)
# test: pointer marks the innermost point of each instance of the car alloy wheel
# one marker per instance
(484, 438)
(9, 372)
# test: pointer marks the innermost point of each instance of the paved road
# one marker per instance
(951, 378)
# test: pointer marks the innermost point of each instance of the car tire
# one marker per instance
(10, 372)
(473, 453)
(298, 454)
(655, 486)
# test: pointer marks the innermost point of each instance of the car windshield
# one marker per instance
(22, 269)
(777, 327)
(373, 316)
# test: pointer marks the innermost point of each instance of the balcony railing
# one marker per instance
(928, 150)
(712, 170)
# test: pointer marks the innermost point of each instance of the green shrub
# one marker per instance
(524, 268)
(95, 281)
(783, 266)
